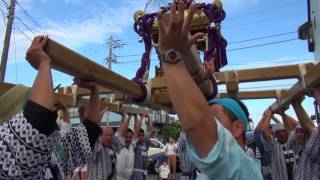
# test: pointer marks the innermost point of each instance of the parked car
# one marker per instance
(156, 148)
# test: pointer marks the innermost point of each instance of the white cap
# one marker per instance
(277, 127)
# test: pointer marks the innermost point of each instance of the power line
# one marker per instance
(264, 20)
(29, 16)
(7, 5)
(236, 49)
(23, 33)
(266, 10)
(263, 37)
(25, 25)
(3, 17)
(265, 44)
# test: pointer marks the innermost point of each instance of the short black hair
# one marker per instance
(141, 131)
(130, 131)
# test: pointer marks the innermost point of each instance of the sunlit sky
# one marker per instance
(85, 27)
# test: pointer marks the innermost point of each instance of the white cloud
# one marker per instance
(78, 33)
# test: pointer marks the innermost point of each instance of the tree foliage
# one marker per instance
(172, 130)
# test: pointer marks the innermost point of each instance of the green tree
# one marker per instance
(172, 130)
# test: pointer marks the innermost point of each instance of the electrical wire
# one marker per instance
(263, 37)
(25, 25)
(265, 44)
(235, 49)
(292, 3)
(29, 16)
(23, 33)
(6, 4)
(264, 20)
(3, 17)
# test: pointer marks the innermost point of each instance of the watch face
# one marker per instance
(172, 55)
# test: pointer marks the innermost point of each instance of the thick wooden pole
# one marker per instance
(72, 63)
(310, 80)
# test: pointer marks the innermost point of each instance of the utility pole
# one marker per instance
(113, 44)
(6, 45)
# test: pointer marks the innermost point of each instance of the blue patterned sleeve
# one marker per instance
(23, 149)
(313, 145)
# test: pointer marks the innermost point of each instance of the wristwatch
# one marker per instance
(171, 56)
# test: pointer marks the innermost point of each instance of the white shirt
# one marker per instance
(125, 162)
(164, 171)
(171, 149)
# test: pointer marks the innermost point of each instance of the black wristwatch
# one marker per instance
(171, 56)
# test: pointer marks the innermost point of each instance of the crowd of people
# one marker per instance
(213, 141)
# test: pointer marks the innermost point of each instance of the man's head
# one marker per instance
(280, 133)
(233, 115)
(107, 135)
(129, 135)
(141, 136)
(300, 134)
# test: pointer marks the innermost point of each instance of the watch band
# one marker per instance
(171, 56)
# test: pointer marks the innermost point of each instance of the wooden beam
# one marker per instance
(311, 80)
(265, 74)
(250, 75)
(83, 91)
(72, 63)
(164, 99)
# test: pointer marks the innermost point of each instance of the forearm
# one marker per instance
(187, 99)
(191, 107)
(265, 129)
(286, 122)
(303, 117)
(66, 117)
(42, 89)
(94, 107)
(276, 120)
(138, 126)
(121, 127)
(150, 128)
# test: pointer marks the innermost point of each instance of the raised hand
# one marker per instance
(35, 54)
(60, 106)
(92, 86)
(298, 100)
(174, 34)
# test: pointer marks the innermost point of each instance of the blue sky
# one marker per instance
(85, 26)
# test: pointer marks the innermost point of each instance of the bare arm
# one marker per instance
(275, 119)
(187, 99)
(288, 121)
(135, 121)
(123, 125)
(258, 127)
(302, 115)
(265, 126)
(150, 127)
(81, 111)
(42, 88)
(138, 126)
(93, 113)
(65, 113)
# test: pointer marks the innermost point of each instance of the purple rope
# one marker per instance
(216, 45)
(144, 91)
(143, 28)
